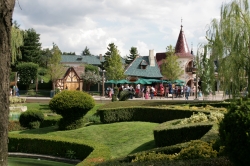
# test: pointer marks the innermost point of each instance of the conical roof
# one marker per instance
(181, 47)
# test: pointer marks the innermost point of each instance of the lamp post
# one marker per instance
(103, 81)
(196, 78)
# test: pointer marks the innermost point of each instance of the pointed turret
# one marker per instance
(181, 47)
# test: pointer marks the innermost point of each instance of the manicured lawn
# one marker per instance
(122, 138)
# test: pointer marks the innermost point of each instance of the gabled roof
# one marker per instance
(134, 69)
(78, 70)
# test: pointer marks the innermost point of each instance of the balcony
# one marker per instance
(190, 69)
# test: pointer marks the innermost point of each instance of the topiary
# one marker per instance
(124, 95)
(31, 119)
(234, 131)
(115, 95)
(72, 106)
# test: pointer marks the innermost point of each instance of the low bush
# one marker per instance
(31, 119)
(14, 126)
(124, 95)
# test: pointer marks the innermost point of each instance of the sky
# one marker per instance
(145, 24)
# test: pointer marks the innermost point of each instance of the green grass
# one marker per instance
(122, 138)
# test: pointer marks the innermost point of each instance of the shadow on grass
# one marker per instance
(44, 130)
(146, 146)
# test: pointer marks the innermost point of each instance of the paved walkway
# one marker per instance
(218, 97)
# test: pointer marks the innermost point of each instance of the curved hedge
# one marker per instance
(167, 134)
(147, 114)
(88, 151)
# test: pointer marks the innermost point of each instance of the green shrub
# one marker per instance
(197, 149)
(234, 132)
(72, 106)
(115, 95)
(31, 118)
(14, 126)
(124, 95)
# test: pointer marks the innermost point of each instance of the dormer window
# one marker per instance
(79, 59)
(143, 64)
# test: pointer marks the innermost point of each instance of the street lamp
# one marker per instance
(194, 71)
(103, 81)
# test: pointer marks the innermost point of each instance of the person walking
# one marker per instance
(152, 91)
(187, 92)
(17, 91)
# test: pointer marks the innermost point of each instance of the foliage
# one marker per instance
(72, 105)
(55, 68)
(17, 37)
(197, 149)
(31, 119)
(89, 67)
(205, 70)
(234, 134)
(31, 49)
(16, 100)
(170, 67)
(113, 64)
(91, 77)
(133, 53)
(46, 54)
(115, 95)
(229, 45)
(27, 71)
(86, 51)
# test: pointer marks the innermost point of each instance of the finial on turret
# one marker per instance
(181, 23)
(192, 48)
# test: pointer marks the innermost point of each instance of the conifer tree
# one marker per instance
(133, 53)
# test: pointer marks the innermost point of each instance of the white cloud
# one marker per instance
(147, 24)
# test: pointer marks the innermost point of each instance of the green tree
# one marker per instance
(90, 78)
(170, 67)
(27, 71)
(55, 68)
(133, 53)
(229, 43)
(6, 11)
(17, 40)
(45, 56)
(86, 51)
(31, 49)
(113, 64)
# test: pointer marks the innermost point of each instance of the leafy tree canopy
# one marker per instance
(170, 67)
(27, 71)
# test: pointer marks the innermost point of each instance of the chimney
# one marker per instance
(100, 57)
(151, 58)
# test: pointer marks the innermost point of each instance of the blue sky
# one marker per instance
(145, 24)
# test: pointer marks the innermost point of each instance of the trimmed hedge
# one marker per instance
(167, 134)
(88, 151)
(147, 114)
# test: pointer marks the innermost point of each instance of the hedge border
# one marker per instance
(97, 152)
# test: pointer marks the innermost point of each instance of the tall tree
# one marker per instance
(31, 49)
(55, 68)
(113, 64)
(86, 51)
(133, 53)
(170, 67)
(45, 56)
(6, 11)
(229, 43)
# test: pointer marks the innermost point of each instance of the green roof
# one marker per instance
(135, 68)
(93, 60)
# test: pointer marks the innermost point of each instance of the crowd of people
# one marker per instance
(14, 91)
(151, 91)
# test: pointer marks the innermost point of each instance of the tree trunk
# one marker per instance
(6, 11)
